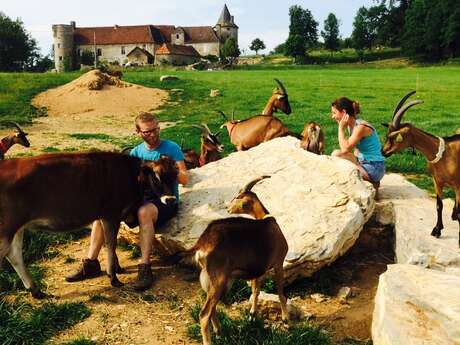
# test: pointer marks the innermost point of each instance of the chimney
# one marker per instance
(72, 24)
(115, 26)
(232, 20)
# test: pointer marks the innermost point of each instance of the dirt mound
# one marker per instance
(97, 94)
(96, 80)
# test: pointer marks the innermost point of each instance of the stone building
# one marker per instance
(115, 43)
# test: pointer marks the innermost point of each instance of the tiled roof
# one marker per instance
(114, 35)
(174, 49)
(143, 51)
(158, 34)
(200, 34)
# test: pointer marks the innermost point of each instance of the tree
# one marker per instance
(303, 33)
(279, 49)
(295, 47)
(303, 24)
(331, 33)
(230, 50)
(17, 49)
(257, 45)
(362, 35)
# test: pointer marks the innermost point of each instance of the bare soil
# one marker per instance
(161, 315)
(94, 103)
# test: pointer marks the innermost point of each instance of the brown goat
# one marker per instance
(239, 247)
(248, 133)
(18, 138)
(257, 129)
(210, 148)
(312, 138)
(442, 154)
(278, 100)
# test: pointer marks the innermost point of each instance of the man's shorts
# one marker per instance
(375, 170)
(165, 213)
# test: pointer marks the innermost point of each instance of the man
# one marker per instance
(151, 214)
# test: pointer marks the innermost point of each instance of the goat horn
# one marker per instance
(202, 129)
(280, 84)
(205, 126)
(233, 114)
(401, 102)
(252, 183)
(397, 118)
(182, 144)
(223, 114)
(15, 124)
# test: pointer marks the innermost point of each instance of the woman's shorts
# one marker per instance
(375, 170)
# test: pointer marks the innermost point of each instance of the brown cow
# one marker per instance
(67, 191)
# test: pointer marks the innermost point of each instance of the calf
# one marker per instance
(239, 248)
(66, 191)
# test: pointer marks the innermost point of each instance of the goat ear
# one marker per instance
(399, 138)
(385, 125)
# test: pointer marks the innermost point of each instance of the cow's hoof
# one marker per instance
(38, 294)
(436, 233)
(115, 282)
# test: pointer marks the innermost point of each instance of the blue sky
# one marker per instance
(267, 20)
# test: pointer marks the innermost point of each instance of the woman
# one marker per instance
(362, 137)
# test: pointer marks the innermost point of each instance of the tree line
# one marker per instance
(428, 29)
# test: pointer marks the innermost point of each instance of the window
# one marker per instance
(60, 58)
(59, 45)
(177, 36)
(78, 52)
(99, 52)
(123, 50)
(143, 46)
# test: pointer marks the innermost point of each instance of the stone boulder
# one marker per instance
(321, 203)
(416, 306)
(269, 306)
(168, 77)
(414, 216)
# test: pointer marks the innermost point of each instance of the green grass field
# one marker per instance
(311, 90)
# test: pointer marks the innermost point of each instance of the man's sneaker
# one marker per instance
(88, 269)
(144, 277)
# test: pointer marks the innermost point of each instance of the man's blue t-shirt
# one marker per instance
(167, 148)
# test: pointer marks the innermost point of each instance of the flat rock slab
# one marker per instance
(416, 306)
(414, 213)
(321, 203)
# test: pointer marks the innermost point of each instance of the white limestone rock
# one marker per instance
(321, 203)
(414, 218)
(269, 306)
(416, 306)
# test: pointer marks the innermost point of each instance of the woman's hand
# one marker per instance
(344, 121)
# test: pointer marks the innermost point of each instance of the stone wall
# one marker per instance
(113, 53)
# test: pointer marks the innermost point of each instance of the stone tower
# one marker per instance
(226, 26)
(63, 44)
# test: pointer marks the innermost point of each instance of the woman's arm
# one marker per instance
(359, 132)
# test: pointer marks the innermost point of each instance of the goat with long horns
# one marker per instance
(442, 154)
(17, 138)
